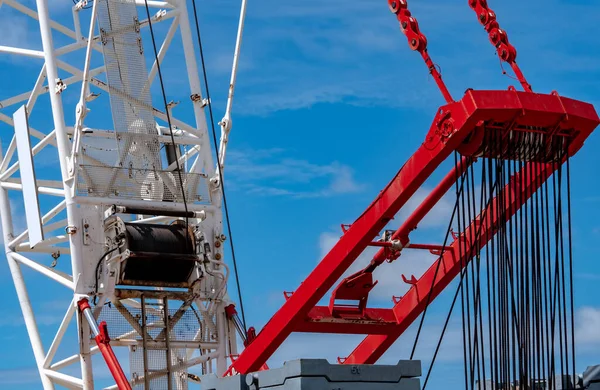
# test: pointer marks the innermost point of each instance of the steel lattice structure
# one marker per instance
(96, 56)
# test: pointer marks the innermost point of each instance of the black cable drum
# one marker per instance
(161, 255)
(173, 239)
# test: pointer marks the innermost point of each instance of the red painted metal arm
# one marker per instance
(484, 227)
(357, 286)
(412, 175)
(103, 341)
(454, 128)
(498, 38)
(418, 42)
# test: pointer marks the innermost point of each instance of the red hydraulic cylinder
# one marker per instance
(103, 341)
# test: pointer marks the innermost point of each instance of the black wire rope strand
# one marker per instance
(545, 267)
(467, 259)
(559, 285)
(167, 112)
(445, 327)
(532, 262)
(495, 282)
(527, 276)
(544, 260)
(221, 181)
(473, 246)
(484, 184)
(507, 323)
(461, 285)
(561, 291)
(469, 263)
(536, 274)
(548, 275)
(555, 272)
(522, 282)
(441, 256)
(504, 215)
(500, 269)
(459, 288)
(511, 244)
(539, 295)
(562, 255)
(570, 246)
(551, 280)
(480, 241)
(475, 277)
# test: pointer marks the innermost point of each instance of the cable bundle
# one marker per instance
(517, 292)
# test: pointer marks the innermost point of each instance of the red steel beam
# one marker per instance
(407, 309)
(452, 124)
(375, 321)
(360, 234)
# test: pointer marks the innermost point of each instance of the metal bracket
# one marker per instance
(60, 86)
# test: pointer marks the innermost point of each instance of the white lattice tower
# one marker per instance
(70, 167)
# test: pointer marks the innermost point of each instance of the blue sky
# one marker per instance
(330, 103)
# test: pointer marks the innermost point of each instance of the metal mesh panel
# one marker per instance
(126, 323)
(157, 366)
(187, 329)
(145, 184)
(133, 164)
(127, 78)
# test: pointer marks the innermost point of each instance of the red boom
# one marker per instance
(466, 126)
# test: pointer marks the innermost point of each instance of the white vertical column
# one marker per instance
(73, 218)
(22, 295)
(195, 86)
(223, 336)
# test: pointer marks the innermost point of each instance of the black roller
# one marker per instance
(160, 254)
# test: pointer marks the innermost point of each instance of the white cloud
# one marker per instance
(311, 52)
(587, 328)
(272, 172)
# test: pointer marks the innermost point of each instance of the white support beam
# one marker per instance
(71, 360)
(42, 190)
(9, 121)
(37, 89)
(57, 276)
(22, 52)
(42, 245)
(47, 140)
(9, 154)
(62, 329)
(51, 214)
(68, 381)
(31, 13)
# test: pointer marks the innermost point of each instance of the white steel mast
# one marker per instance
(123, 213)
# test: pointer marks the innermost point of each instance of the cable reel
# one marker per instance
(153, 254)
